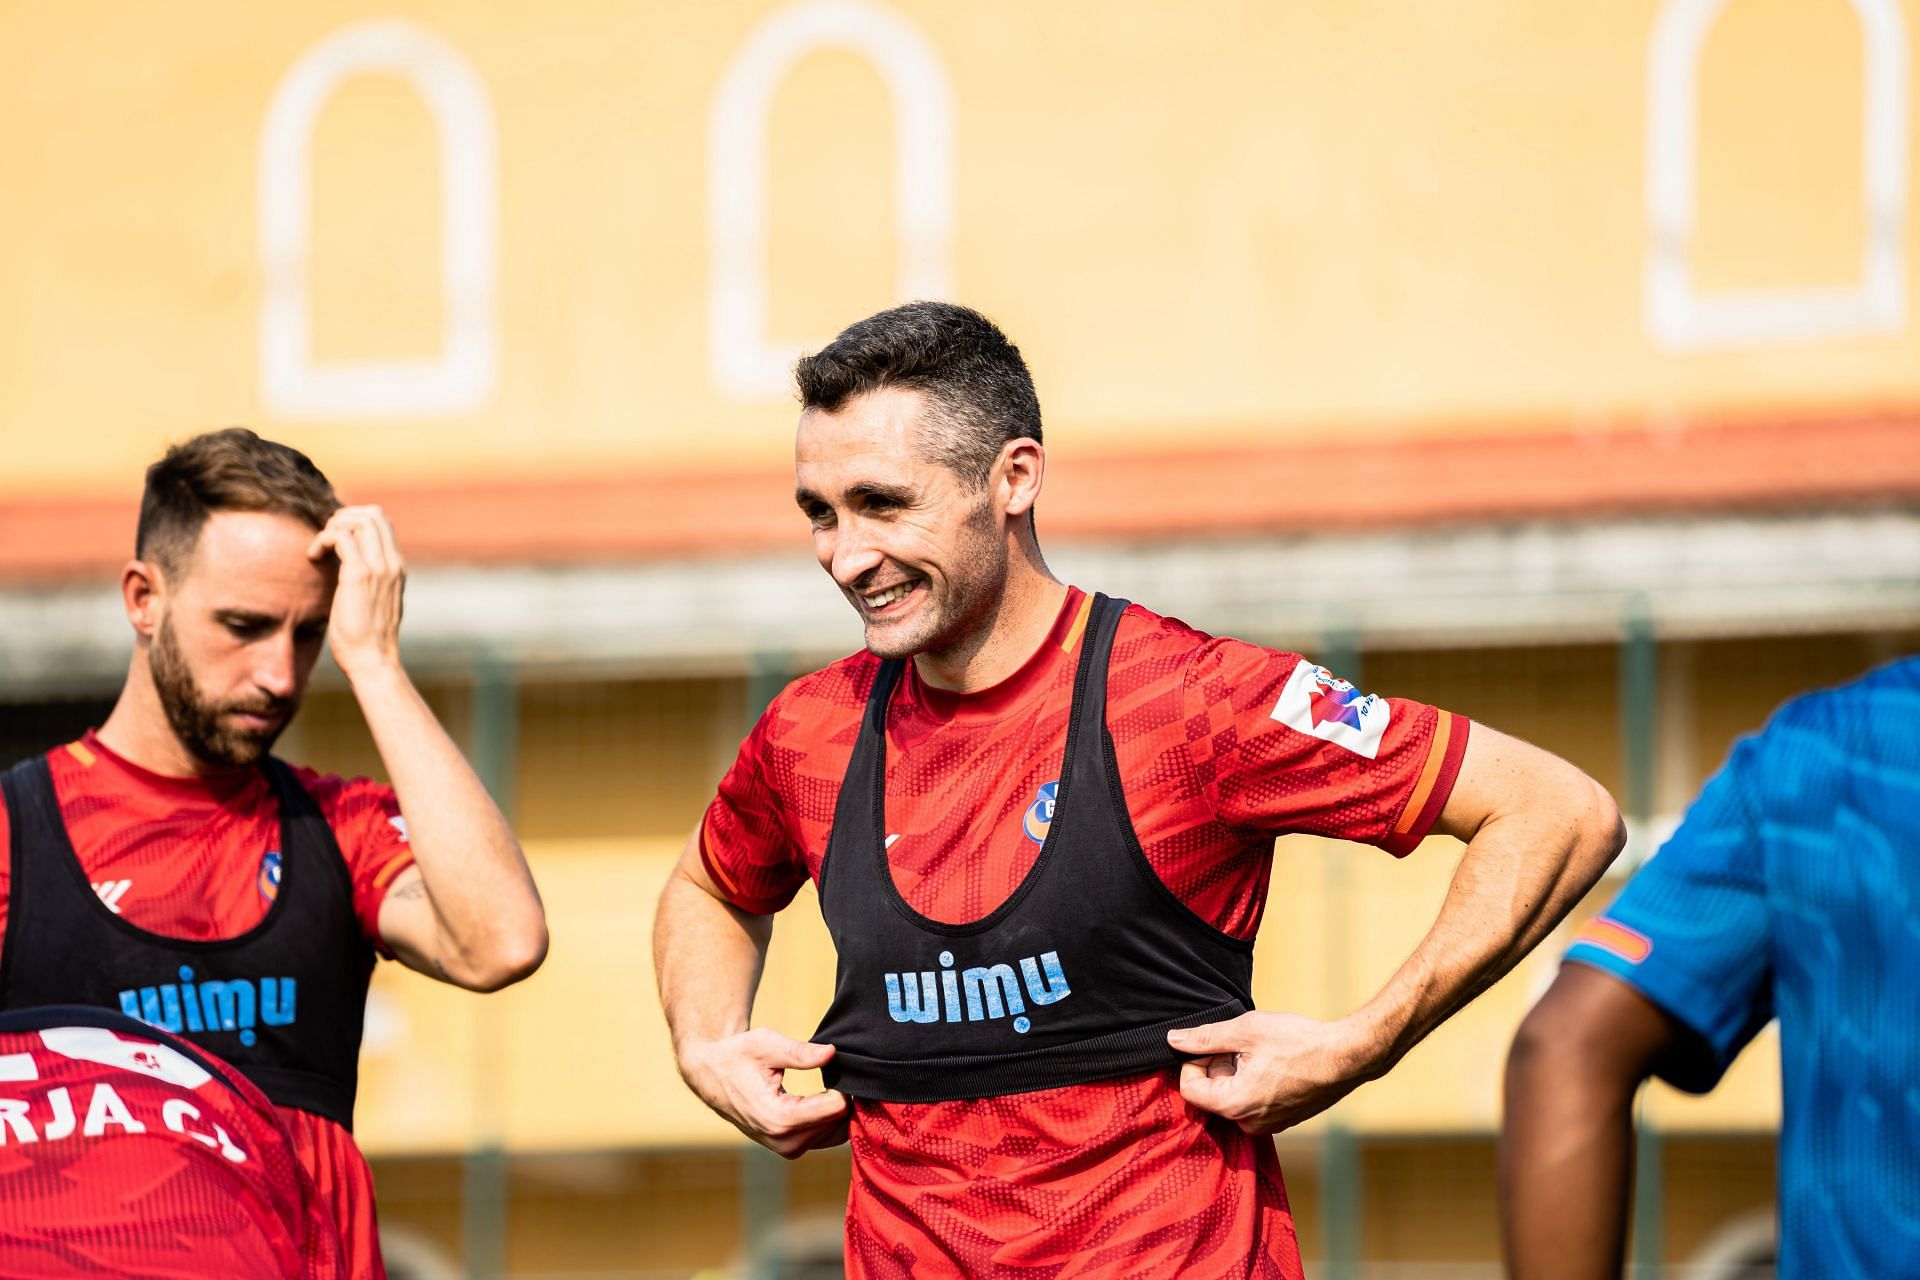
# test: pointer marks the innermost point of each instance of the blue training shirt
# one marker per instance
(1792, 889)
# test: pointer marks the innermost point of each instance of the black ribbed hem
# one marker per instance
(963, 1077)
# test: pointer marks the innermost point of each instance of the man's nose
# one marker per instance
(277, 669)
(851, 556)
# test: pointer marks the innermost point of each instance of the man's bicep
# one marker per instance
(409, 926)
(692, 865)
(1499, 773)
(1608, 1026)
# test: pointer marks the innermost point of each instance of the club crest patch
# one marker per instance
(1039, 818)
(270, 876)
(1319, 703)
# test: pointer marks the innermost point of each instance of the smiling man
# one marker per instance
(1041, 823)
(169, 867)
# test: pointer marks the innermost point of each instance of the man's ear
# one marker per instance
(143, 589)
(1023, 469)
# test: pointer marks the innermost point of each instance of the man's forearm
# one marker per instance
(1566, 1144)
(707, 957)
(1520, 875)
(483, 895)
(1566, 1158)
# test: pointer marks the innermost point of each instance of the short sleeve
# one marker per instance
(1280, 746)
(744, 840)
(1690, 930)
(372, 835)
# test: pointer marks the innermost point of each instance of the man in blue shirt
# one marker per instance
(1792, 890)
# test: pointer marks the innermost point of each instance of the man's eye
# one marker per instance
(313, 633)
(246, 630)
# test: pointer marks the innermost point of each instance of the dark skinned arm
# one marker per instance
(1566, 1148)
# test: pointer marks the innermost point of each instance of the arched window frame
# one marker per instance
(744, 362)
(463, 378)
(1677, 315)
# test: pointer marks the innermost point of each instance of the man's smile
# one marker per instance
(888, 599)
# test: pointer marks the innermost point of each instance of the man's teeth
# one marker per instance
(881, 599)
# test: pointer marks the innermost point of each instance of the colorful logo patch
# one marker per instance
(1319, 703)
(270, 876)
(1039, 817)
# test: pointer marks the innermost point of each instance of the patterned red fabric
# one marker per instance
(122, 1156)
(1118, 1177)
(187, 858)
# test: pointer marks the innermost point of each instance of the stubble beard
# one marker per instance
(197, 720)
(976, 577)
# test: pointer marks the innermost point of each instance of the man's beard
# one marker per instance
(975, 579)
(197, 721)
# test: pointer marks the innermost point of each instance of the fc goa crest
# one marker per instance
(270, 876)
(1040, 813)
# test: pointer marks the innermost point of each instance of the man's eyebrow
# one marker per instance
(242, 618)
(860, 489)
(875, 489)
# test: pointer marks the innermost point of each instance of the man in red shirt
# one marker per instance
(1041, 824)
(168, 867)
(125, 1151)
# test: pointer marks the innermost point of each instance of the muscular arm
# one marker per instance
(1566, 1147)
(1539, 833)
(707, 957)
(467, 911)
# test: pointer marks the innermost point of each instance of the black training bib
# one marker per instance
(1077, 976)
(283, 1001)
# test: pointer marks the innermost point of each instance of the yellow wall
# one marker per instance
(1241, 222)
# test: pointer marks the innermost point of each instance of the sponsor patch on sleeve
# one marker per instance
(1319, 703)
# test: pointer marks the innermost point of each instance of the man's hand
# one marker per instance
(467, 912)
(707, 955)
(743, 1078)
(1270, 1071)
(364, 628)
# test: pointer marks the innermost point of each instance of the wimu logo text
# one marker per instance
(237, 1004)
(981, 993)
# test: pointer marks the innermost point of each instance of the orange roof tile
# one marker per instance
(1861, 458)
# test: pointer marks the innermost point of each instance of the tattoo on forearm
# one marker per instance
(415, 888)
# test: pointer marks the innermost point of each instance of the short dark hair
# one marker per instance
(228, 470)
(976, 385)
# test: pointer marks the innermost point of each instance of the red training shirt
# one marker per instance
(186, 858)
(125, 1153)
(1118, 1177)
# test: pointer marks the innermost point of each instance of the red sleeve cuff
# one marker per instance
(729, 886)
(1434, 785)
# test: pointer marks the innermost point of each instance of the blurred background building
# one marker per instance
(1552, 363)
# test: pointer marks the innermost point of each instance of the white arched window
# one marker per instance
(745, 362)
(1676, 314)
(463, 377)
